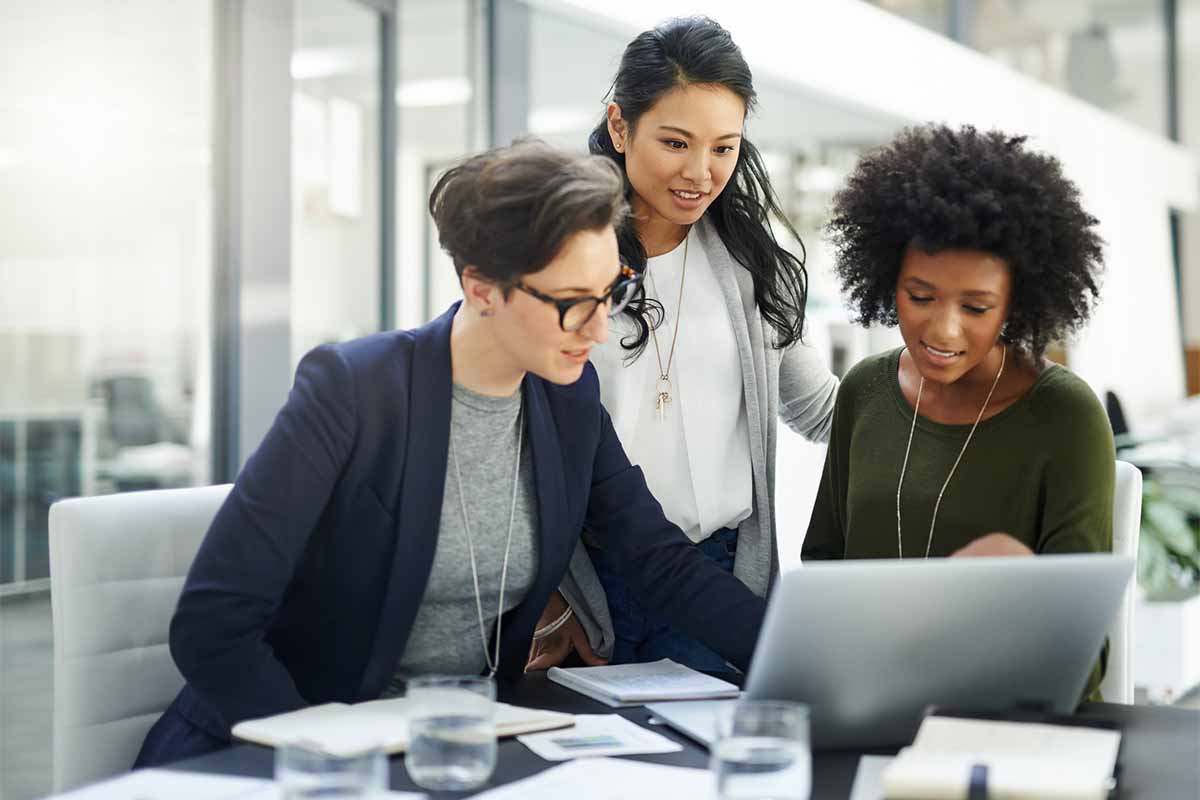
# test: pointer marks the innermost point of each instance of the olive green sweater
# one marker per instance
(1041, 470)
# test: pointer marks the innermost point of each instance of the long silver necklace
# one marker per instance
(662, 388)
(492, 663)
(908, 448)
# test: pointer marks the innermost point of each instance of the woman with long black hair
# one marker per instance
(709, 354)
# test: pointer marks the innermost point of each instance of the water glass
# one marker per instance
(306, 772)
(762, 752)
(452, 732)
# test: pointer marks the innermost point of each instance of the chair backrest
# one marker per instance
(1117, 686)
(117, 564)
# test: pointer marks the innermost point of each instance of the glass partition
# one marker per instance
(105, 258)
(335, 173)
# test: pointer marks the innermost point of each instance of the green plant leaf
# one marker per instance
(1153, 567)
(1171, 526)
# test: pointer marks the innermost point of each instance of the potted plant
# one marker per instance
(1167, 614)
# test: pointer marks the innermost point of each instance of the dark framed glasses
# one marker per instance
(575, 312)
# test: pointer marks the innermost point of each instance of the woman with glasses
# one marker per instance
(707, 357)
(421, 492)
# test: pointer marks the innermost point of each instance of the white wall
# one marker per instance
(1189, 90)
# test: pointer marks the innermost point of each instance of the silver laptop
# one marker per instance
(869, 644)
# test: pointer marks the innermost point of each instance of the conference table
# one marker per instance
(1160, 750)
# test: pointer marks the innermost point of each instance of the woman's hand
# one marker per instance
(993, 544)
(554, 649)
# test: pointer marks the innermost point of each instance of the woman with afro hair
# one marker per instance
(966, 441)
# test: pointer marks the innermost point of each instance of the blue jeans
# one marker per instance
(644, 635)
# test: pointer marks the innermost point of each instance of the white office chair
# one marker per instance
(117, 565)
(1117, 686)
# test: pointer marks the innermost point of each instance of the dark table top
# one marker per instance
(1160, 750)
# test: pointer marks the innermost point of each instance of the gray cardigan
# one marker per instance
(793, 385)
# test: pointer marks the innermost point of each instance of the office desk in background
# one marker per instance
(1160, 749)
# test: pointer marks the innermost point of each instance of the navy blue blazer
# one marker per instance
(306, 586)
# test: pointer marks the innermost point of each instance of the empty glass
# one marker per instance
(762, 752)
(305, 772)
(452, 732)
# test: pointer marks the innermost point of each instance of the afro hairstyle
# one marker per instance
(938, 189)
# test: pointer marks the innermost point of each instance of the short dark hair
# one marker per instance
(938, 188)
(509, 211)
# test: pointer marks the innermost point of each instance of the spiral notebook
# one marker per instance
(637, 684)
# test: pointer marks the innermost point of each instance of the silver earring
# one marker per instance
(487, 312)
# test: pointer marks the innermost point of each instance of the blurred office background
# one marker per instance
(194, 193)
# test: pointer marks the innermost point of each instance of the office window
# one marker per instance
(933, 15)
(1112, 55)
(335, 173)
(105, 220)
(440, 98)
(105, 268)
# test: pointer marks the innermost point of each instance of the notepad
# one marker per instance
(636, 684)
(344, 729)
(1013, 760)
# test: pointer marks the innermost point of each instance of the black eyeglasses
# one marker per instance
(574, 313)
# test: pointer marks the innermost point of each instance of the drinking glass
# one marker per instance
(452, 732)
(306, 772)
(762, 752)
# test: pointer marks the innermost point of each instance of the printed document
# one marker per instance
(598, 735)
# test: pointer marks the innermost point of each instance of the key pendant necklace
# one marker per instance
(662, 388)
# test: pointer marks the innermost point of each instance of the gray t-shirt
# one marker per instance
(445, 635)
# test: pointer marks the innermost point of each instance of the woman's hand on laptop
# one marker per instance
(993, 544)
(553, 648)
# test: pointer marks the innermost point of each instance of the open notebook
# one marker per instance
(343, 729)
(956, 758)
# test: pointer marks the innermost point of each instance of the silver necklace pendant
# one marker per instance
(662, 389)
(662, 396)
(493, 662)
(908, 449)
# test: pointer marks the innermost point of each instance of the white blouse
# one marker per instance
(697, 458)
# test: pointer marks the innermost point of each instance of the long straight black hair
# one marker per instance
(698, 51)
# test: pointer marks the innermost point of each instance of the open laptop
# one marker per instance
(868, 645)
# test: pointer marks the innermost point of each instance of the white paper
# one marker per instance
(609, 779)
(273, 792)
(598, 735)
(168, 784)
(868, 779)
